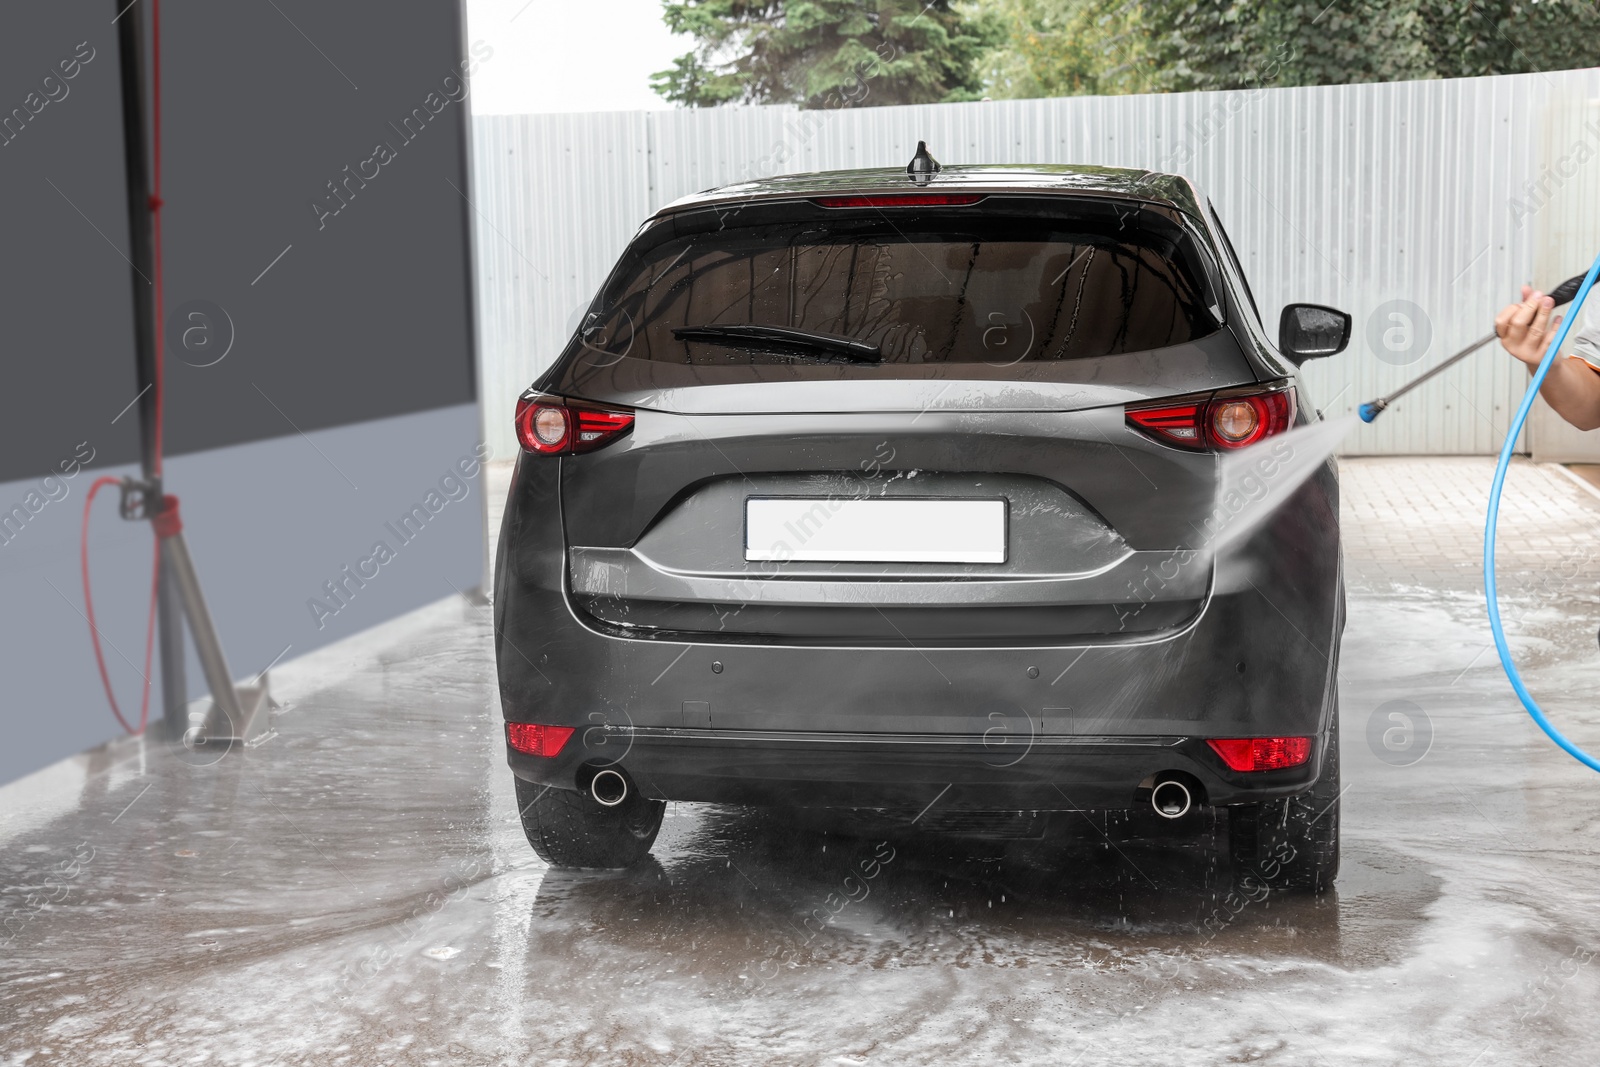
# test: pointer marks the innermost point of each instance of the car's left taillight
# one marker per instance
(556, 426)
(1230, 419)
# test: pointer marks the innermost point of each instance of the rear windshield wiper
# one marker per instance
(785, 339)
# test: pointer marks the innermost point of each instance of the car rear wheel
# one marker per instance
(570, 829)
(1292, 843)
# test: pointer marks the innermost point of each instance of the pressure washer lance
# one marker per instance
(1562, 294)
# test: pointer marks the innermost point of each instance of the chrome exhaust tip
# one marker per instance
(608, 787)
(1171, 799)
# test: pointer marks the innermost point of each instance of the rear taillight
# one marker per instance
(555, 426)
(536, 740)
(1262, 753)
(1231, 419)
(1237, 421)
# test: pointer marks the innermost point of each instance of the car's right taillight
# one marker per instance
(1234, 418)
(535, 739)
(556, 426)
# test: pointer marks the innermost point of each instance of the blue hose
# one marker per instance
(1494, 518)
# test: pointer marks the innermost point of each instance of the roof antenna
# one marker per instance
(923, 166)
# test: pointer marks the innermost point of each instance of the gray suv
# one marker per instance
(896, 500)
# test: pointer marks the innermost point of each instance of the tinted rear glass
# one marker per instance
(999, 283)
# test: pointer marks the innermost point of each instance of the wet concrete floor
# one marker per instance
(356, 890)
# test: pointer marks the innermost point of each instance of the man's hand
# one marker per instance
(1526, 329)
(1572, 387)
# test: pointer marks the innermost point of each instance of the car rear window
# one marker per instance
(999, 283)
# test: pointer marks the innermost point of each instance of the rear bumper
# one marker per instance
(905, 772)
(839, 725)
(1251, 665)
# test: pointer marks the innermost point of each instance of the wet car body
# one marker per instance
(1096, 658)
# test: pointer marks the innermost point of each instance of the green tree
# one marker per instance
(1064, 48)
(1467, 38)
(819, 53)
(1229, 44)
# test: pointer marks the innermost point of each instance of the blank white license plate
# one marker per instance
(875, 531)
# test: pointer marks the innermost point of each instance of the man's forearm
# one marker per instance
(1572, 388)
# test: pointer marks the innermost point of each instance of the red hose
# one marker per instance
(159, 398)
(94, 630)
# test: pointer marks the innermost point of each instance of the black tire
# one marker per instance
(1292, 843)
(569, 829)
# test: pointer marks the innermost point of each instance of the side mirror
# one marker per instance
(1311, 331)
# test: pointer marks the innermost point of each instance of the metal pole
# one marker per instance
(175, 558)
(141, 248)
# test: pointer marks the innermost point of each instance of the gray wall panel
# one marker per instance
(348, 391)
(367, 312)
(267, 523)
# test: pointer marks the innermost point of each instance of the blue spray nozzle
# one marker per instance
(1370, 411)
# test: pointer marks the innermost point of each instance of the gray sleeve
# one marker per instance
(1586, 345)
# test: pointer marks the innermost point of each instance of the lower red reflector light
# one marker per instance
(1262, 753)
(536, 740)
